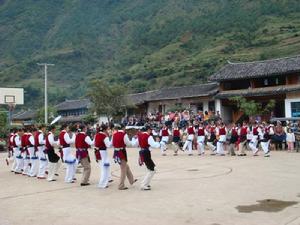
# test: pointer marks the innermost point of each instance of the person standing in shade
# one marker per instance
(120, 141)
(145, 141)
(54, 159)
(82, 144)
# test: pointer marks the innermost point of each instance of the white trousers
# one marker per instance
(71, 164)
(105, 169)
(201, 144)
(26, 161)
(188, 144)
(34, 162)
(19, 160)
(14, 162)
(164, 142)
(253, 144)
(211, 146)
(147, 179)
(265, 146)
(53, 169)
(43, 162)
(220, 144)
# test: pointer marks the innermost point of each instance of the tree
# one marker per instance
(107, 99)
(40, 114)
(253, 108)
(3, 124)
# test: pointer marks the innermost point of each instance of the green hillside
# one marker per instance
(145, 44)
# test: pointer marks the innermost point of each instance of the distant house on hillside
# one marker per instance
(277, 79)
(24, 118)
(194, 97)
(73, 110)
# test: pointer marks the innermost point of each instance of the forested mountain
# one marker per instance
(144, 44)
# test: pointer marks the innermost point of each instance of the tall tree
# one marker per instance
(108, 100)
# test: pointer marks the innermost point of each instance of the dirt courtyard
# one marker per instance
(202, 190)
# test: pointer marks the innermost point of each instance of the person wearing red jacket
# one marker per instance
(101, 142)
(25, 153)
(82, 144)
(69, 159)
(33, 153)
(39, 141)
(145, 141)
(11, 157)
(120, 141)
(243, 131)
(54, 159)
(201, 134)
(164, 134)
(176, 139)
(17, 145)
(190, 130)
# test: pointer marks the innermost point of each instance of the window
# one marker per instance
(295, 106)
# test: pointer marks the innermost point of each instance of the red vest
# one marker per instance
(212, 130)
(222, 131)
(25, 140)
(201, 131)
(36, 139)
(80, 141)
(62, 141)
(244, 131)
(164, 133)
(190, 130)
(10, 143)
(176, 133)
(48, 145)
(255, 131)
(118, 139)
(234, 132)
(99, 140)
(143, 140)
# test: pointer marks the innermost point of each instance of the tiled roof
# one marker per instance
(264, 91)
(200, 90)
(273, 67)
(73, 104)
(27, 115)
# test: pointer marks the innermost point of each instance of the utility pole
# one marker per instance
(46, 85)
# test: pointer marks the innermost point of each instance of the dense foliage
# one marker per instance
(140, 43)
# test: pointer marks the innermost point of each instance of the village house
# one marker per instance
(277, 79)
(73, 110)
(194, 97)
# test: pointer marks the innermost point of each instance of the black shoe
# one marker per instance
(56, 174)
(110, 181)
(82, 184)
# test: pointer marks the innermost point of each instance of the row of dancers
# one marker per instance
(217, 137)
(32, 151)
